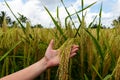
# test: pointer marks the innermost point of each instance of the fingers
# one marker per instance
(51, 44)
(73, 54)
(74, 49)
(75, 46)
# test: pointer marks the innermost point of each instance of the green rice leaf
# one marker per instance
(92, 22)
(7, 53)
(77, 32)
(23, 28)
(99, 26)
(107, 77)
(80, 10)
(58, 12)
(86, 78)
(56, 23)
(69, 17)
(82, 3)
(98, 47)
(97, 72)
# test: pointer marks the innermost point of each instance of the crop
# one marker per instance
(97, 59)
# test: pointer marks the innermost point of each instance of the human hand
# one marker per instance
(52, 56)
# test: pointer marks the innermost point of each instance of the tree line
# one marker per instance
(11, 22)
(23, 20)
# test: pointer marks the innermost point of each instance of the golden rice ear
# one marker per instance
(4, 25)
(64, 60)
(117, 70)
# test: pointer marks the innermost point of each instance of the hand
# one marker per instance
(52, 56)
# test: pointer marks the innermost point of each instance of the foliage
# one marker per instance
(116, 22)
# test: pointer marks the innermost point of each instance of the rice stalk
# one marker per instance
(3, 68)
(7, 65)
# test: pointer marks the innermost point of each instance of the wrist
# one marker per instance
(45, 62)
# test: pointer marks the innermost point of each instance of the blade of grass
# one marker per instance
(82, 3)
(92, 22)
(98, 47)
(56, 24)
(9, 51)
(68, 14)
(97, 72)
(86, 78)
(113, 62)
(58, 18)
(107, 77)
(80, 11)
(99, 26)
(77, 32)
(69, 17)
(58, 12)
(23, 28)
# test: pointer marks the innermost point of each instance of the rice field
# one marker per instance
(98, 57)
(94, 60)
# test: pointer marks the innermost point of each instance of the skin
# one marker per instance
(50, 59)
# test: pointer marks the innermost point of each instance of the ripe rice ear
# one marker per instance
(4, 25)
(63, 70)
(117, 70)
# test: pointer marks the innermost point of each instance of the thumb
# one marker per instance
(51, 44)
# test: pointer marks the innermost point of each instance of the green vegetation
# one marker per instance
(97, 59)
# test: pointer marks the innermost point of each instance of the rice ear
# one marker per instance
(63, 69)
(117, 70)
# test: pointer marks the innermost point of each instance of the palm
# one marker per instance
(52, 55)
